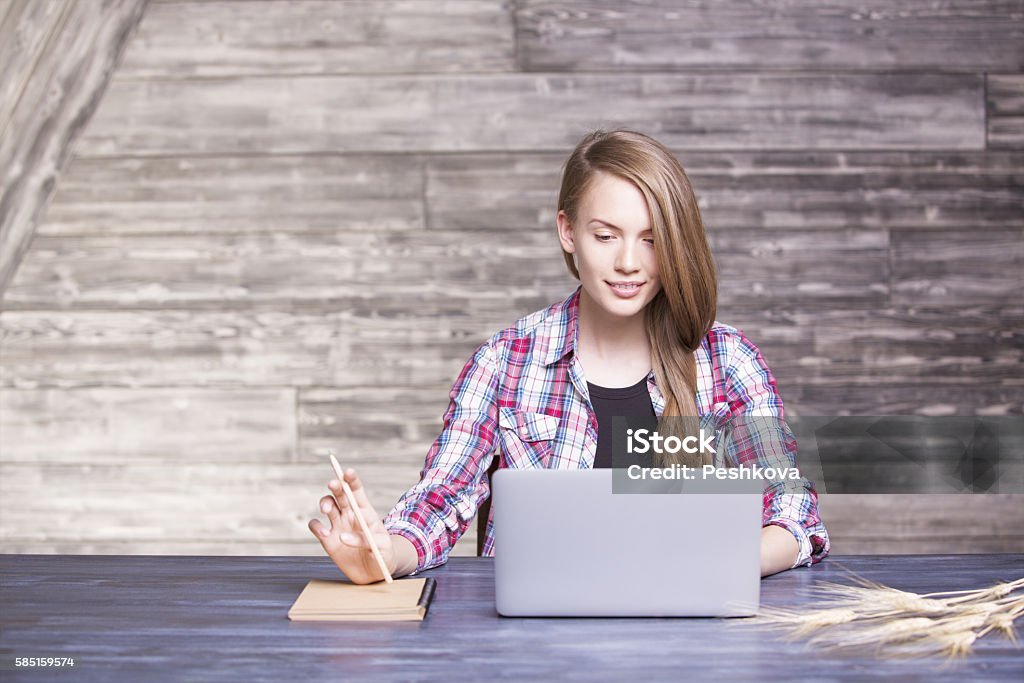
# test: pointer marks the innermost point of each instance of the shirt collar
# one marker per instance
(564, 331)
(564, 326)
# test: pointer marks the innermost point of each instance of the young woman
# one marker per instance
(638, 336)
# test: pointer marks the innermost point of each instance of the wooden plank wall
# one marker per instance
(289, 223)
(56, 57)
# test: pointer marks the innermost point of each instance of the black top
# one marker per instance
(608, 402)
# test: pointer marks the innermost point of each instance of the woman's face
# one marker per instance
(614, 246)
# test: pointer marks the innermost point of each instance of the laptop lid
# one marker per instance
(566, 545)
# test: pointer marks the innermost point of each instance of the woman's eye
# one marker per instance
(605, 238)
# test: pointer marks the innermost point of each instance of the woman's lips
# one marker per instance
(625, 292)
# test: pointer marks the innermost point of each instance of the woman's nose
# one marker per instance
(627, 258)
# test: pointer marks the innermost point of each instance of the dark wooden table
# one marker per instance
(155, 618)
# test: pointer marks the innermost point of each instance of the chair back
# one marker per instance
(484, 512)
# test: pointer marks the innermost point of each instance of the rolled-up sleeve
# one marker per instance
(437, 510)
(762, 437)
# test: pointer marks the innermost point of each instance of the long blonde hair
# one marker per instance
(682, 313)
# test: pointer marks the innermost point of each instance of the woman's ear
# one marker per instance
(565, 234)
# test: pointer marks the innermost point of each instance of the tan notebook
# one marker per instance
(403, 600)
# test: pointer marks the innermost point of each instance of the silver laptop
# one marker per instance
(565, 545)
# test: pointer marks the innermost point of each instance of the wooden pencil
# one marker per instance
(362, 522)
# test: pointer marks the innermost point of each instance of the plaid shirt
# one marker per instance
(524, 391)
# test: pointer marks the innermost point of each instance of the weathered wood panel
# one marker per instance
(316, 37)
(856, 189)
(665, 35)
(238, 271)
(242, 500)
(797, 266)
(966, 543)
(26, 27)
(221, 195)
(844, 347)
(237, 505)
(390, 342)
(466, 547)
(1005, 104)
(248, 504)
(373, 424)
(924, 523)
(60, 58)
(280, 205)
(212, 195)
(162, 271)
(536, 112)
(745, 189)
(958, 267)
(89, 546)
(338, 348)
(923, 398)
(493, 191)
(898, 476)
(168, 425)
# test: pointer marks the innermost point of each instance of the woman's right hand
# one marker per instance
(344, 540)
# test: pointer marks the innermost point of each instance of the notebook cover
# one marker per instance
(403, 600)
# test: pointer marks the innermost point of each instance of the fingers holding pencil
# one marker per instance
(356, 486)
(346, 515)
(361, 518)
(362, 549)
(359, 493)
(345, 521)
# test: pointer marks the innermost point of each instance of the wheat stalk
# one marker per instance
(897, 623)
